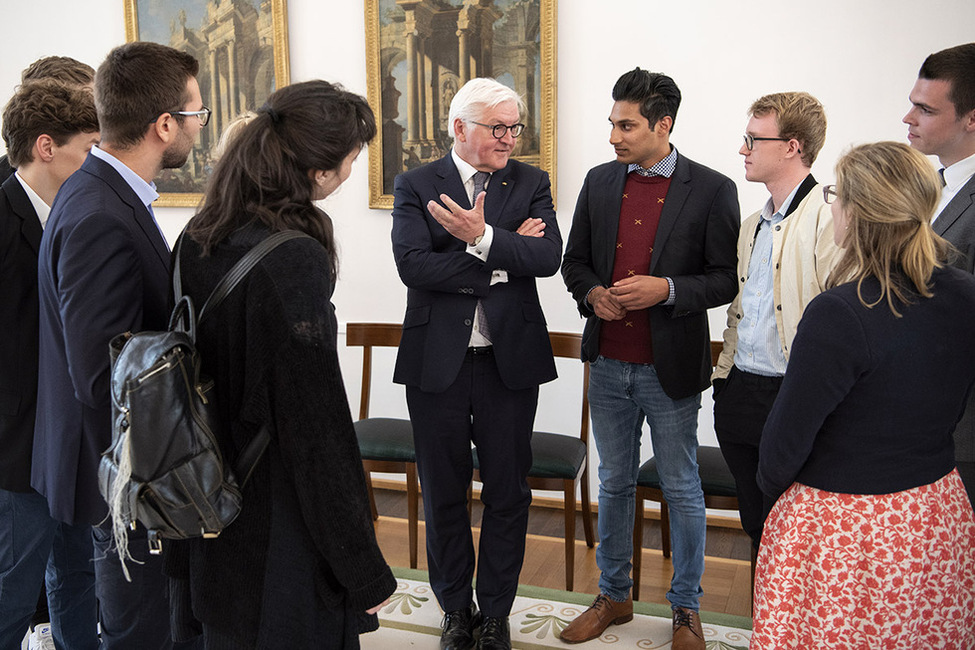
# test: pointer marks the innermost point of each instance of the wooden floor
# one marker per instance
(727, 572)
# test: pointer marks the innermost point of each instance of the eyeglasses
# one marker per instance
(829, 193)
(750, 140)
(498, 130)
(203, 115)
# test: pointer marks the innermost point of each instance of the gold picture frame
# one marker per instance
(242, 47)
(419, 52)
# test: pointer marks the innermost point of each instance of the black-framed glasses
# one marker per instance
(498, 130)
(203, 115)
(750, 140)
(829, 193)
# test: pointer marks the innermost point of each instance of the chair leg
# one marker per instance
(637, 543)
(587, 511)
(665, 527)
(413, 510)
(372, 497)
(569, 505)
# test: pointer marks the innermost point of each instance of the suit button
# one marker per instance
(467, 322)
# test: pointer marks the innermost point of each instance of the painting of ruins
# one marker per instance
(242, 47)
(419, 52)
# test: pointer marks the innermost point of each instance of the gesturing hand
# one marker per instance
(465, 225)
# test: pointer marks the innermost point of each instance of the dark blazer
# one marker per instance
(20, 237)
(445, 282)
(103, 270)
(956, 223)
(696, 246)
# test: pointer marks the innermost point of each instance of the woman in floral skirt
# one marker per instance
(870, 542)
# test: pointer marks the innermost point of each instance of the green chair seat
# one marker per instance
(386, 439)
(716, 478)
(554, 456)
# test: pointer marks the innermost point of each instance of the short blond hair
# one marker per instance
(800, 116)
(889, 192)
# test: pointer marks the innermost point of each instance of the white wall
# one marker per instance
(859, 58)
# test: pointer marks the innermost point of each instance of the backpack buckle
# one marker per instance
(155, 543)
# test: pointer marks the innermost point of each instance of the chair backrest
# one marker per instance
(716, 347)
(568, 345)
(370, 335)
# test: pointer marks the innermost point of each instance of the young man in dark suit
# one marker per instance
(60, 68)
(652, 248)
(104, 269)
(942, 124)
(48, 129)
(471, 232)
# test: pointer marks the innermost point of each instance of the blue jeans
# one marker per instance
(621, 396)
(34, 547)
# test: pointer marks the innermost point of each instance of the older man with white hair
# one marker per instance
(471, 232)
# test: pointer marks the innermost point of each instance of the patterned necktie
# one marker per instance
(480, 178)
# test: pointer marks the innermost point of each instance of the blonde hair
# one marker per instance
(229, 133)
(798, 115)
(888, 192)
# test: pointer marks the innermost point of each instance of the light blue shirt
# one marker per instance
(759, 350)
(145, 191)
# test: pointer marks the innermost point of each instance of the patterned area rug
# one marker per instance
(412, 619)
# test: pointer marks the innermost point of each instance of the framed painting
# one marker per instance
(242, 47)
(420, 52)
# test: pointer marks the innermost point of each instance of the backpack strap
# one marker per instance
(247, 460)
(241, 269)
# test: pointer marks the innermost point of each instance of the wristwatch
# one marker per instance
(477, 240)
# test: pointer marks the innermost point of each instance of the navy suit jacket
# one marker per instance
(445, 282)
(103, 270)
(696, 246)
(20, 238)
(956, 223)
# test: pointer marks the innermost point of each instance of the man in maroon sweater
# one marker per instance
(652, 247)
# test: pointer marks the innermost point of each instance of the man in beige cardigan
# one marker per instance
(785, 253)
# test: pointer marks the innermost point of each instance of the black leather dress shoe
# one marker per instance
(458, 628)
(495, 634)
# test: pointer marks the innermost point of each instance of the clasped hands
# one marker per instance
(467, 225)
(628, 294)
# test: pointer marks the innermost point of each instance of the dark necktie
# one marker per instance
(480, 178)
(941, 174)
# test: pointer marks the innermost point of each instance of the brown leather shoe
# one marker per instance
(688, 634)
(603, 612)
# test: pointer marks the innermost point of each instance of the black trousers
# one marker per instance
(741, 407)
(477, 408)
(967, 472)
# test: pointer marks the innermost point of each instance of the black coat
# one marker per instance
(304, 541)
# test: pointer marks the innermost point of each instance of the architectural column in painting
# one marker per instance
(412, 94)
(215, 90)
(233, 87)
(464, 28)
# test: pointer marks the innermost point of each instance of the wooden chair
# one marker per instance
(716, 481)
(561, 462)
(386, 444)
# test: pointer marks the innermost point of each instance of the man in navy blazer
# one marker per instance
(104, 269)
(942, 124)
(48, 128)
(475, 349)
(652, 248)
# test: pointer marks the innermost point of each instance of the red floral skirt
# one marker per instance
(870, 571)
